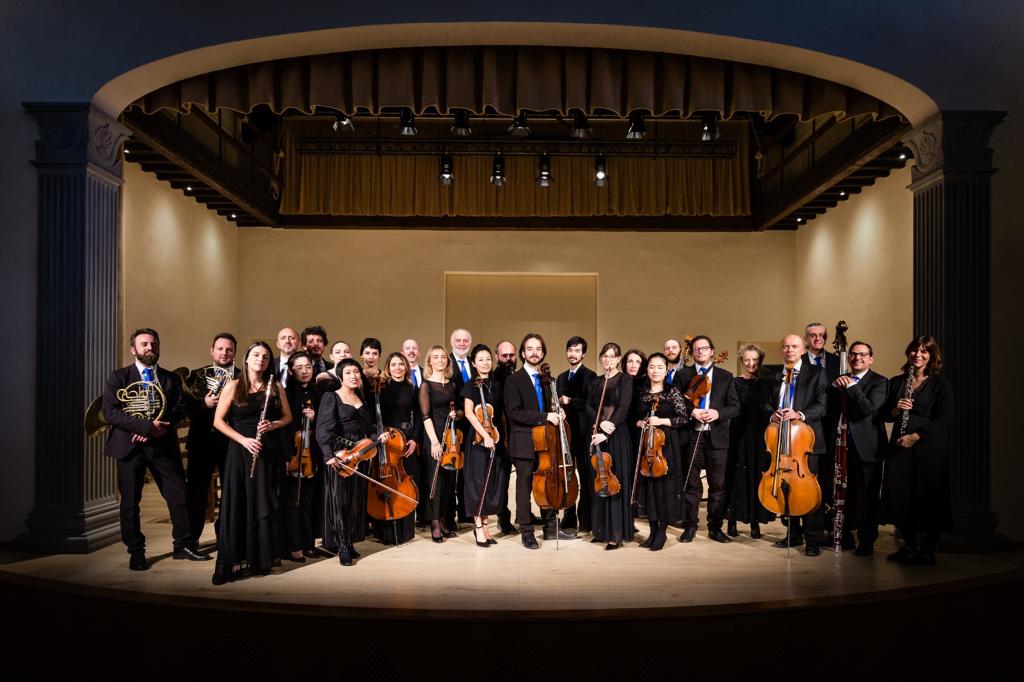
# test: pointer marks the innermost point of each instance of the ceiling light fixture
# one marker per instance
(600, 172)
(636, 131)
(544, 178)
(709, 127)
(407, 124)
(461, 127)
(498, 171)
(580, 127)
(446, 175)
(520, 126)
(343, 123)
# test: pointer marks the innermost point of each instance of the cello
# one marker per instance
(555, 485)
(839, 478)
(788, 487)
(606, 483)
(300, 465)
(396, 494)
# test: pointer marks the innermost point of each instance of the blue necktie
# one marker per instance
(671, 375)
(704, 398)
(856, 379)
(540, 391)
(147, 374)
(415, 378)
(572, 373)
(465, 372)
(817, 361)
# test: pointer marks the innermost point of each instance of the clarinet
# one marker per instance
(908, 393)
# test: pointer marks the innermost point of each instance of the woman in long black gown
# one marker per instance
(437, 394)
(344, 418)
(297, 493)
(248, 498)
(483, 459)
(747, 459)
(916, 491)
(399, 409)
(612, 517)
(662, 497)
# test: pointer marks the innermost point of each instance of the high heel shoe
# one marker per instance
(435, 532)
(344, 556)
(476, 536)
(612, 545)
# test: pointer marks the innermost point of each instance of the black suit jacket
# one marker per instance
(202, 437)
(457, 371)
(831, 365)
(810, 397)
(723, 398)
(523, 414)
(866, 426)
(123, 426)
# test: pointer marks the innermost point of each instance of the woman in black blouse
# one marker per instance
(343, 419)
(297, 493)
(437, 393)
(747, 459)
(916, 492)
(483, 460)
(612, 517)
(399, 409)
(662, 497)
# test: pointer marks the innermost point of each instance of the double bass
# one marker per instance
(396, 494)
(555, 485)
(606, 483)
(789, 487)
(839, 478)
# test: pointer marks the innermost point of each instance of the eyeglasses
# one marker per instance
(609, 357)
(860, 355)
(701, 349)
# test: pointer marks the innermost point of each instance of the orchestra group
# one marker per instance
(338, 447)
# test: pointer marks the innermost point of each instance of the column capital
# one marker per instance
(77, 134)
(953, 142)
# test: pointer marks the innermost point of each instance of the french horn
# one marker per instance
(139, 399)
(198, 383)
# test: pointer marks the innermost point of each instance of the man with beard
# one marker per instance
(138, 444)
(527, 404)
(206, 446)
(314, 340)
(287, 343)
(411, 351)
(506, 352)
(674, 353)
(574, 389)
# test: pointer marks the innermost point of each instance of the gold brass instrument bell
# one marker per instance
(139, 399)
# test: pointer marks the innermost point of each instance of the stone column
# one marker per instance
(78, 159)
(952, 297)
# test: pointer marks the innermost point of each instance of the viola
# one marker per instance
(606, 483)
(300, 465)
(396, 495)
(653, 463)
(555, 485)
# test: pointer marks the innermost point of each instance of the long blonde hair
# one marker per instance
(447, 362)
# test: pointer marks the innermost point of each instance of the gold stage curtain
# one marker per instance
(505, 80)
(407, 185)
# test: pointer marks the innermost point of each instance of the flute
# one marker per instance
(263, 415)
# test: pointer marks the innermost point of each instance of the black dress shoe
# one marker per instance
(864, 550)
(784, 543)
(812, 550)
(437, 538)
(137, 562)
(612, 545)
(536, 520)
(190, 554)
(562, 535)
(717, 535)
(507, 528)
(530, 541)
(299, 560)
(448, 533)
(688, 534)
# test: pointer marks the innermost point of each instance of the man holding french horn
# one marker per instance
(142, 403)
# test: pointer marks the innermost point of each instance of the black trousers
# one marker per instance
(713, 460)
(297, 509)
(580, 512)
(169, 475)
(863, 484)
(201, 465)
(504, 513)
(524, 491)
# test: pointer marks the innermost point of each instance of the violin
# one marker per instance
(396, 495)
(606, 483)
(700, 384)
(452, 457)
(300, 465)
(788, 487)
(555, 485)
(653, 463)
(485, 415)
(349, 458)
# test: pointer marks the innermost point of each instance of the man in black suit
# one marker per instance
(807, 405)
(861, 395)
(708, 445)
(506, 352)
(287, 343)
(463, 372)
(574, 389)
(206, 445)
(674, 354)
(139, 443)
(314, 340)
(527, 404)
(815, 336)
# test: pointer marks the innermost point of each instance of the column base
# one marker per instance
(61, 532)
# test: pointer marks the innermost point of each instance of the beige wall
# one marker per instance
(855, 263)
(180, 265)
(390, 284)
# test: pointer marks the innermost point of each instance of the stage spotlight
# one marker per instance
(544, 178)
(498, 171)
(580, 127)
(188, 188)
(446, 176)
(127, 151)
(636, 131)
(709, 127)
(233, 216)
(842, 193)
(461, 127)
(407, 124)
(903, 157)
(343, 123)
(600, 172)
(799, 219)
(520, 126)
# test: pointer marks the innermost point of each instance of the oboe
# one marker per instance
(908, 392)
(263, 415)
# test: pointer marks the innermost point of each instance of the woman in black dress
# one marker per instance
(612, 517)
(297, 493)
(916, 491)
(747, 459)
(248, 497)
(483, 459)
(437, 394)
(662, 497)
(344, 418)
(634, 363)
(399, 409)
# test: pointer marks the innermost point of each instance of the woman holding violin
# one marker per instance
(485, 477)
(250, 408)
(437, 398)
(916, 491)
(658, 469)
(298, 486)
(607, 410)
(344, 423)
(399, 407)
